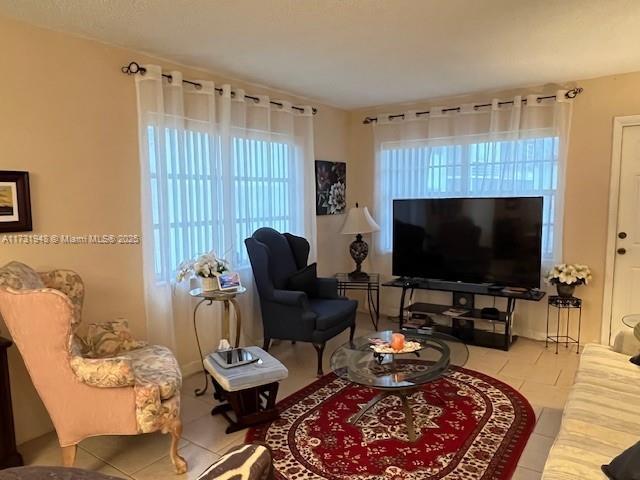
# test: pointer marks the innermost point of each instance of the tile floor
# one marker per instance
(540, 375)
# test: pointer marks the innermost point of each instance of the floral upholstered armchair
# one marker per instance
(103, 383)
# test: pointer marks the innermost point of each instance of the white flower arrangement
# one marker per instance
(569, 274)
(207, 265)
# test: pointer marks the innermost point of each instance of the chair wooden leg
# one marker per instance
(352, 332)
(319, 349)
(69, 455)
(266, 344)
(179, 463)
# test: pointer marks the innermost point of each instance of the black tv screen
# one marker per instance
(471, 240)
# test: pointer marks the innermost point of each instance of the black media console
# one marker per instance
(462, 326)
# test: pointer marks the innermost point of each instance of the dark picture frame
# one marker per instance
(331, 187)
(15, 202)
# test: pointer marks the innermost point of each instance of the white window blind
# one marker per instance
(526, 167)
(189, 187)
(264, 176)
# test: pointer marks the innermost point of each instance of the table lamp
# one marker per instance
(359, 221)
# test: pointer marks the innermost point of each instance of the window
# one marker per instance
(527, 167)
(264, 176)
(200, 202)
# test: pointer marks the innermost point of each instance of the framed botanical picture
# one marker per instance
(15, 202)
(331, 187)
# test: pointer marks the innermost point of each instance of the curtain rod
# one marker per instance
(134, 68)
(573, 93)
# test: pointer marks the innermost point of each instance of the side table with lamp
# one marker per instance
(358, 222)
(369, 283)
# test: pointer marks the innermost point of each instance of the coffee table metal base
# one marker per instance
(406, 408)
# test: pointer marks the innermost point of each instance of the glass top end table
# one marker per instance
(368, 282)
(631, 320)
(397, 374)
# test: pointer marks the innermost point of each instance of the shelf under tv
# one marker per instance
(437, 309)
(463, 325)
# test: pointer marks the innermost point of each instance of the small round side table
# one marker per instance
(226, 297)
(568, 304)
(631, 320)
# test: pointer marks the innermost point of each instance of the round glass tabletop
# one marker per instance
(631, 320)
(357, 362)
(217, 294)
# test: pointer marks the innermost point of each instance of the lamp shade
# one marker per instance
(359, 220)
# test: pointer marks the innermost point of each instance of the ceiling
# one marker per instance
(356, 53)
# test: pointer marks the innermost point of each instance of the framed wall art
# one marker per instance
(15, 202)
(331, 187)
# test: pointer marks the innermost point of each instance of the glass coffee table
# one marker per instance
(397, 374)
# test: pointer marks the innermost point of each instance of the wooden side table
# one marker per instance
(226, 297)
(371, 284)
(9, 456)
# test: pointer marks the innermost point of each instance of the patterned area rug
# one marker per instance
(468, 425)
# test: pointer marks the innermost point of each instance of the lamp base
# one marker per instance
(359, 249)
(358, 275)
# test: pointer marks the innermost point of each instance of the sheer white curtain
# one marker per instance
(506, 149)
(215, 166)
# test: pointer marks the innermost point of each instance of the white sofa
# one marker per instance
(602, 414)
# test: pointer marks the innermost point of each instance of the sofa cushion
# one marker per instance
(19, 276)
(332, 312)
(100, 372)
(600, 417)
(156, 365)
(305, 280)
(152, 413)
(111, 338)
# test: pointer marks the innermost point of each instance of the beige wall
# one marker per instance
(69, 118)
(587, 184)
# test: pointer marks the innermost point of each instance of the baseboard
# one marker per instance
(191, 368)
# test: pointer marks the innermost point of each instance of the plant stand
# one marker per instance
(568, 304)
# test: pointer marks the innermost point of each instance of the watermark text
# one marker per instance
(69, 239)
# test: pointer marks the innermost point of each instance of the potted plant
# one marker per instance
(207, 266)
(567, 276)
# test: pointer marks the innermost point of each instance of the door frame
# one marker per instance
(619, 123)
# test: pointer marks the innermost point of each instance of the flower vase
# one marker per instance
(565, 290)
(209, 284)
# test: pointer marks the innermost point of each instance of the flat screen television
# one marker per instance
(470, 240)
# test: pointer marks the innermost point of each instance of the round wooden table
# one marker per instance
(227, 297)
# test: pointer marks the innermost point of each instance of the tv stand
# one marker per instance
(462, 326)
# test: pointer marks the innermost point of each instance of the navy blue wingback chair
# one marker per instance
(290, 314)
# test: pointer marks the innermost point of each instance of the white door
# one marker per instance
(626, 273)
